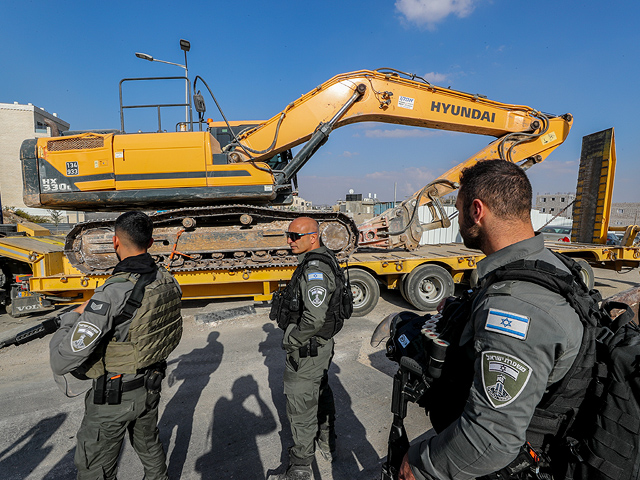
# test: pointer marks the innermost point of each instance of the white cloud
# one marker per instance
(349, 154)
(430, 12)
(399, 133)
(434, 77)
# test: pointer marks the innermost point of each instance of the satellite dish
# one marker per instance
(351, 191)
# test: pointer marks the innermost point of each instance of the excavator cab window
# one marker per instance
(225, 137)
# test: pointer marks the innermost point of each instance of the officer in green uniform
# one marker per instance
(310, 406)
(121, 338)
(521, 337)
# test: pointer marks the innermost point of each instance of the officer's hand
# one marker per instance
(405, 470)
(81, 308)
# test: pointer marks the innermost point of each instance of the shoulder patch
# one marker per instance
(507, 323)
(315, 276)
(500, 288)
(317, 295)
(97, 307)
(314, 263)
(84, 334)
(503, 377)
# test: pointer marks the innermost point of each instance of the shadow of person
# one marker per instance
(20, 458)
(194, 370)
(234, 447)
(274, 359)
(65, 469)
(353, 448)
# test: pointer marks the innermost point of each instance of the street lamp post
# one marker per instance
(185, 46)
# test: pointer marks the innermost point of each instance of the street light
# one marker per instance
(185, 46)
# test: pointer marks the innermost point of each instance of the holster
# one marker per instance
(154, 375)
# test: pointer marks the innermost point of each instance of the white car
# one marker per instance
(556, 233)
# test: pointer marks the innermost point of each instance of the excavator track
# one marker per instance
(230, 237)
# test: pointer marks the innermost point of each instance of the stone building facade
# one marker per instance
(624, 214)
(552, 203)
(17, 123)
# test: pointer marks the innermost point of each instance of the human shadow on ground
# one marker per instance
(194, 369)
(19, 459)
(353, 448)
(234, 450)
(65, 469)
(274, 359)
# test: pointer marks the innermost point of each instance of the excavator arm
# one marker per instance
(399, 227)
(386, 96)
(523, 135)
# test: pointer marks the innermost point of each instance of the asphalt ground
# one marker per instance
(222, 414)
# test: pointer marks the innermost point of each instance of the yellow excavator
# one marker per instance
(223, 181)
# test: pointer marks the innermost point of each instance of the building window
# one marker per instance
(561, 199)
(544, 200)
(553, 199)
(41, 127)
(543, 210)
(620, 210)
(551, 210)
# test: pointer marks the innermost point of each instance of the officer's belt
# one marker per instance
(133, 384)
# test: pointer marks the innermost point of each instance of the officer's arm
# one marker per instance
(316, 287)
(80, 333)
(510, 377)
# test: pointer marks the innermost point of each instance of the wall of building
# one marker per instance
(624, 214)
(18, 123)
(552, 203)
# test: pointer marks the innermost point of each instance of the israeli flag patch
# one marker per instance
(315, 276)
(507, 323)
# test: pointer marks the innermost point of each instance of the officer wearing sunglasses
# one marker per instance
(306, 320)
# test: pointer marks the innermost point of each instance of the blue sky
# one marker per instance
(570, 56)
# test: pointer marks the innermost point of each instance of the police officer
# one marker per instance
(520, 339)
(310, 406)
(121, 338)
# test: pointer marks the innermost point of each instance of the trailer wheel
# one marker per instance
(586, 273)
(402, 286)
(427, 286)
(366, 291)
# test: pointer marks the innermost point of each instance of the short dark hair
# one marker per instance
(136, 226)
(503, 186)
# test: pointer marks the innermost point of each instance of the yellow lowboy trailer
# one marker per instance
(424, 276)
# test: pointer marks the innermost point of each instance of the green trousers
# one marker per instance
(310, 405)
(103, 429)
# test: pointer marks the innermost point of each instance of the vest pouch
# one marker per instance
(276, 305)
(121, 357)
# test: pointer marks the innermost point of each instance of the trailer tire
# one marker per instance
(402, 286)
(427, 286)
(586, 273)
(366, 291)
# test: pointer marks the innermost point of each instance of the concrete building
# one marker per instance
(552, 203)
(299, 205)
(624, 214)
(18, 123)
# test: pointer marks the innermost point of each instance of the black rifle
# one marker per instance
(44, 328)
(409, 385)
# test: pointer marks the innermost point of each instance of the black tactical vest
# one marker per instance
(287, 306)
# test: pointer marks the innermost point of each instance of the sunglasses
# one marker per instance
(295, 236)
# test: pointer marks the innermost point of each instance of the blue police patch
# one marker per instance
(315, 276)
